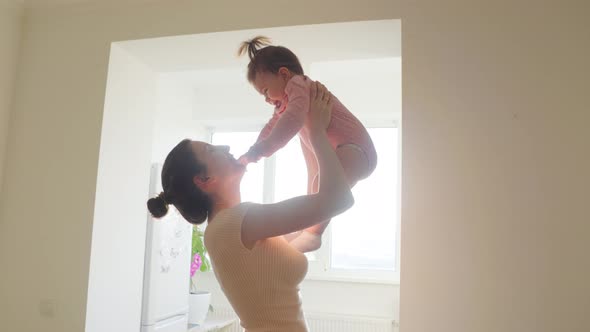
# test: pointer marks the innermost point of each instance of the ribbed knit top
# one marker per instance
(262, 284)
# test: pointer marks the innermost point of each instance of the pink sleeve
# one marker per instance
(276, 135)
(268, 127)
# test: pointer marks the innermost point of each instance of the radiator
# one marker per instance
(336, 323)
(318, 322)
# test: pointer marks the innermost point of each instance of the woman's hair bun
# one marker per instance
(157, 206)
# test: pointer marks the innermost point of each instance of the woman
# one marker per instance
(258, 270)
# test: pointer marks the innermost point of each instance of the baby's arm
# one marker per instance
(276, 135)
(249, 156)
(268, 127)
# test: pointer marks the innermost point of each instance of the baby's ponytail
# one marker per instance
(252, 46)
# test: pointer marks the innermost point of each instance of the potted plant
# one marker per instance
(199, 301)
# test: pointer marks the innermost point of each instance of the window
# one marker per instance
(239, 143)
(364, 236)
(361, 243)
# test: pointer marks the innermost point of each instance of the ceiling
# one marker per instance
(312, 43)
(52, 3)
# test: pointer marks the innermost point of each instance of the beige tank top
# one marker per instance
(262, 284)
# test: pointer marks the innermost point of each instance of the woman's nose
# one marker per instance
(267, 99)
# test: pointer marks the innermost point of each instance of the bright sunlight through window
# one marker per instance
(362, 238)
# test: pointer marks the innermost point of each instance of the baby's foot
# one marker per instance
(307, 242)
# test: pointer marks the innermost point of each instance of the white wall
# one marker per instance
(10, 34)
(119, 228)
(496, 165)
(175, 118)
(370, 88)
(146, 114)
(223, 97)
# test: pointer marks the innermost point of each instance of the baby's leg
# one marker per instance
(356, 167)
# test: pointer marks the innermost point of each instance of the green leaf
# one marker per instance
(198, 246)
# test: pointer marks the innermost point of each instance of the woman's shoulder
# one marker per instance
(236, 212)
(227, 224)
(240, 208)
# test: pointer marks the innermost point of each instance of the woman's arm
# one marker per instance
(334, 196)
(312, 166)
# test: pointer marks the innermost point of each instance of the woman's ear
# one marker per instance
(202, 182)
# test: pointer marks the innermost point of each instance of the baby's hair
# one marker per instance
(266, 57)
(252, 46)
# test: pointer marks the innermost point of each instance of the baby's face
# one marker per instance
(271, 86)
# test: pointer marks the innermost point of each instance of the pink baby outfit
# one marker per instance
(289, 117)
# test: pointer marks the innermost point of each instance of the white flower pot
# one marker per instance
(198, 307)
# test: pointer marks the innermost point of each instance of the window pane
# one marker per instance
(239, 142)
(364, 237)
(291, 171)
(291, 176)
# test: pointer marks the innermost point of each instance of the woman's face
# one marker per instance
(220, 164)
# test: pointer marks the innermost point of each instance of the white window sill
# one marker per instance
(385, 279)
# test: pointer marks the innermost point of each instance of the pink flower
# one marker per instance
(196, 264)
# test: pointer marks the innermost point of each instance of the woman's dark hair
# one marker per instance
(265, 57)
(180, 167)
